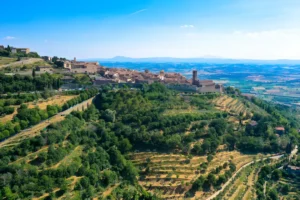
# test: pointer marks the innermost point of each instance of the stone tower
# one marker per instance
(195, 77)
(74, 59)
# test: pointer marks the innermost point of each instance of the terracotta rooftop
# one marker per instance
(253, 123)
(293, 167)
(280, 128)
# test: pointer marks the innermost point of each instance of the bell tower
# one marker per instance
(195, 77)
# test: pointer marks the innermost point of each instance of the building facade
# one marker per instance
(20, 50)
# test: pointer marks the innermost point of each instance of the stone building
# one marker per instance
(20, 50)
(206, 86)
(82, 67)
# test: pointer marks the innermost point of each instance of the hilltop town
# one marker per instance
(100, 75)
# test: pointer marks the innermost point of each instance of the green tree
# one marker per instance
(125, 145)
(110, 115)
(33, 72)
(276, 175)
(130, 172)
(209, 158)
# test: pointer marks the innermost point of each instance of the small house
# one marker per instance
(280, 130)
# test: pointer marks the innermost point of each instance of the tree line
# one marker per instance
(17, 83)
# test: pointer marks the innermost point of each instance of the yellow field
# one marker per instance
(172, 175)
(55, 100)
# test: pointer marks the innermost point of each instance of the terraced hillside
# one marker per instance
(237, 108)
(172, 175)
(231, 105)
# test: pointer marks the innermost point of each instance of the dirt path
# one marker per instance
(69, 156)
(109, 190)
(35, 130)
(28, 155)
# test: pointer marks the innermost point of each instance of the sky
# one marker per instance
(244, 29)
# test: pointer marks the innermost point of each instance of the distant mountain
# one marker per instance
(208, 59)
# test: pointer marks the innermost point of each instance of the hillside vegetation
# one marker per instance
(132, 144)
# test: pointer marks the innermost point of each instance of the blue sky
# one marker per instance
(257, 29)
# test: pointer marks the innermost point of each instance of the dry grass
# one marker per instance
(74, 180)
(45, 195)
(6, 60)
(55, 100)
(30, 62)
(109, 190)
(8, 118)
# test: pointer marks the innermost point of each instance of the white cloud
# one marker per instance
(9, 38)
(187, 26)
(139, 11)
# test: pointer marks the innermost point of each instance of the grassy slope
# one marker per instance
(7, 60)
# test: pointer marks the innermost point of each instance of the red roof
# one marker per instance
(279, 128)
